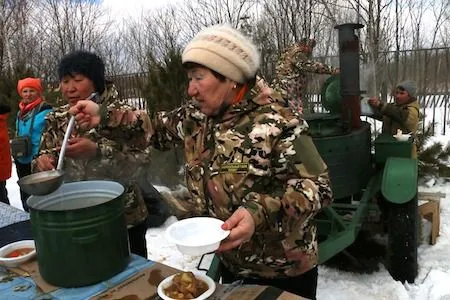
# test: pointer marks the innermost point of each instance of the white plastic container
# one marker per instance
(197, 236)
(366, 109)
(402, 137)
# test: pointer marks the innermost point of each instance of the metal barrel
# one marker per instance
(80, 233)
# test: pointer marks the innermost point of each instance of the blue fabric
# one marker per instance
(23, 129)
(25, 288)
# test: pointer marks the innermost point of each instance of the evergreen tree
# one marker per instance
(165, 88)
(433, 160)
(165, 85)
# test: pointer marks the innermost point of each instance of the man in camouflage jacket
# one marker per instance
(291, 72)
(114, 161)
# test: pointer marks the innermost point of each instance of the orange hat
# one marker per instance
(30, 82)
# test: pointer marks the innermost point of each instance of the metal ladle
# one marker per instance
(46, 182)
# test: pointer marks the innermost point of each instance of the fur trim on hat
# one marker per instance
(409, 86)
(84, 63)
(30, 82)
(225, 50)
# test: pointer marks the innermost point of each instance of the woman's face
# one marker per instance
(209, 93)
(76, 87)
(29, 94)
(401, 96)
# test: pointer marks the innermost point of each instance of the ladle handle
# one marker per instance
(67, 136)
(64, 143)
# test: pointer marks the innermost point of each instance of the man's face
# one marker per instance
(76, 87)
(401, 96)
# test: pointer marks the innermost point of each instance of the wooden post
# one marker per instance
(430, 210)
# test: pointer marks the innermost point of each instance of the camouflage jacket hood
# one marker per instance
(250, 156)
(114, 161)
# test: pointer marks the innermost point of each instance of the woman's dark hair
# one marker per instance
(85, 63)
(192, 65)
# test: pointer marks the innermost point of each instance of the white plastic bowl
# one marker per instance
(197, 236)
(167, 282)
(15, 261)
(402, 137)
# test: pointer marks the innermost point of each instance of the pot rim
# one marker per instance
(88, 188)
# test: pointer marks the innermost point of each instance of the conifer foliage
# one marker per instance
(165, 86)
(433, 158)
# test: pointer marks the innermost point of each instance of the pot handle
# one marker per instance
(85, 239)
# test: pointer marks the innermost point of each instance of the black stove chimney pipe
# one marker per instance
(349, 73)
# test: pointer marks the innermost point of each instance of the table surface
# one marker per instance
(17, 287)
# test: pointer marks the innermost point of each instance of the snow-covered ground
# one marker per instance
(432, 283)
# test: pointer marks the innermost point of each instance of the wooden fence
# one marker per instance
(130, 88)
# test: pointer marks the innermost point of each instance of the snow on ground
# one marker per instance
(160, 250)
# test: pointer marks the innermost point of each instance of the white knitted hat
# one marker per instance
(224, 50)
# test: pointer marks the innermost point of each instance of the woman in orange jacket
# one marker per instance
(5, 152)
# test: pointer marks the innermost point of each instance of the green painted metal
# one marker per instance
(325, 125)
(387, 146)
(333, 215)
(214, 269)
(399, 183)
(335, 243)
(331, 95)
(86, 243)
(341, 230)
(349, 160)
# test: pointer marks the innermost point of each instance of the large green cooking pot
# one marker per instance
(80, 233)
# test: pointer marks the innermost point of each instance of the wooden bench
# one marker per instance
(430, 210)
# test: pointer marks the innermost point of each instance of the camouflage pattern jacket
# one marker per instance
(114, 161)
(291, 74)
(257, 155)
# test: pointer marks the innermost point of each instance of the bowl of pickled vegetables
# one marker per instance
(186, 285)
(14, 254)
